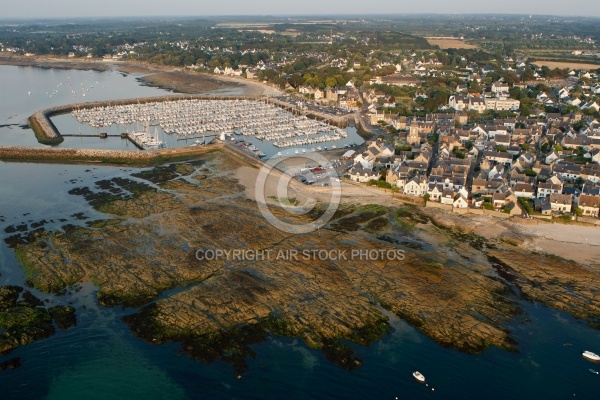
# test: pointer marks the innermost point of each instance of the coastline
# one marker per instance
(532, 241)
(471, 271)
(166, 77)
(544, 237)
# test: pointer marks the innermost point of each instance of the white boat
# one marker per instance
(419, 376)
(591, 356)
(153, 143)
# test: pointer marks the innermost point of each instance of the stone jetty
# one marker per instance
(102, 156)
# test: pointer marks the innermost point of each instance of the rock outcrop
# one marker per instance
(440, 279)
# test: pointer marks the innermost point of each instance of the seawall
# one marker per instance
(60, 155)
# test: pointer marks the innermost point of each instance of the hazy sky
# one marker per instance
(102, 8)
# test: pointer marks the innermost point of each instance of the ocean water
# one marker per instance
(101, 359)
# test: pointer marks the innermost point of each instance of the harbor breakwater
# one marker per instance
(132, 157)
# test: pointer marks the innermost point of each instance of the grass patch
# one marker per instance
(286, 201)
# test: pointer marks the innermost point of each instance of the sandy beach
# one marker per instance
(575, 242)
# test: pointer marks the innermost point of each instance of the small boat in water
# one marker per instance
(419, 376)
(591, 356)
(593, 371)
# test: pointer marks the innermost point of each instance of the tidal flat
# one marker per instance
(457, 287)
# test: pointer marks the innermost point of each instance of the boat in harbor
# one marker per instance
(153, 142)
(593, 371)
(419, 376)
(590, 356)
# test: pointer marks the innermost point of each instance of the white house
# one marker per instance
(524, 190)
(589, 205)
(417, 187)
(461, 199)
(435, 191)
(448, 197)
(553, 186)
(476, 104)
(360, 174)
(500, 87)
(561, 202)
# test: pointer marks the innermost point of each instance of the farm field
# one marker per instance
(568, 64)
(450, 43)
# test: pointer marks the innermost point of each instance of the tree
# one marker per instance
(296, 80)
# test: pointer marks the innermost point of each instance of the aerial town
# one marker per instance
(462, 121)
(259, 206)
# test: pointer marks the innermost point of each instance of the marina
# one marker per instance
(195, 119)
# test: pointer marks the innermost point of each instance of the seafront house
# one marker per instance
(561, 203)
(589, 205)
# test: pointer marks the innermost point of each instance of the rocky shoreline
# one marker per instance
(24, 319)
(459, 288)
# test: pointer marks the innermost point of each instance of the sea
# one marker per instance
(101, 359)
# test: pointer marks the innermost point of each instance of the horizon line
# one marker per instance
(299, 15)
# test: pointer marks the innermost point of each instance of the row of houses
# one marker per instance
(482, 104)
